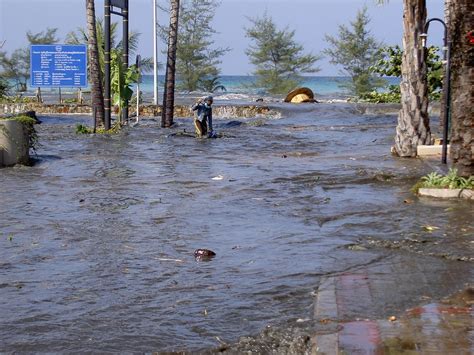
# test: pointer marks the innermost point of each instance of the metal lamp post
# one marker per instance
(447, 81)
(155, 54)
(138, 64)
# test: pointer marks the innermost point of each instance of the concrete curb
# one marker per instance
(326, 309)
(430, 150)
(447, 193)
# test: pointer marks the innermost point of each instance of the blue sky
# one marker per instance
(311, 19)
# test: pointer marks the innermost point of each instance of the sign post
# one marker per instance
(58, 65)
(108, 12)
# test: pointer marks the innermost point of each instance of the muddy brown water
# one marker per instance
(97, 238)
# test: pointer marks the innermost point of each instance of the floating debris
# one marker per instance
(430, 228)
(167, 259)
(204, 254)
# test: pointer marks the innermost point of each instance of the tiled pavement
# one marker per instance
(431, 328)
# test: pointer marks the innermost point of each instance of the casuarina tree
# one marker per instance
(16, 67)
(197, 60)
(278, 59)
(356, 51)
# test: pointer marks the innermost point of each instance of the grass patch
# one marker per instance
(83, 129)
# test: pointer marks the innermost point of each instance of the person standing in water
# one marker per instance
(203, 121)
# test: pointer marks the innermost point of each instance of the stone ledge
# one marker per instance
(430, 150)
(180, 111)
(447, 193)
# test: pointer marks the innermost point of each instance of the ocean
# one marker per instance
(243, 85)
(239, 88)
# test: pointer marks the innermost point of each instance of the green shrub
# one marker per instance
(450, 181)
(83, 129)
(391, 96)
(18, 99)
(391, 65)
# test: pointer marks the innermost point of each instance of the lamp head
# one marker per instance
(424, 37)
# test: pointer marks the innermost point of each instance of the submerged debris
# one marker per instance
(204, 254)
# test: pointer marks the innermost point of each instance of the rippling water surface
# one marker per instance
(97, 239)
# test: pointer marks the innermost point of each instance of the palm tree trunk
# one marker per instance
(413, 123)
(462, 85)
(168, 95)
(95, 75)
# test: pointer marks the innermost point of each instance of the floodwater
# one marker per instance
(97, 238)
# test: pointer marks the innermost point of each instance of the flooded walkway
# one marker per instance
(97, 239)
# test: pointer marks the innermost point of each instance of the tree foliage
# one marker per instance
(3, 87)
(121, 79)
(47, 36)
(390, 64)
(16, 66)
(197, 60)
(356, 50)
(279, 60)
(80, 37)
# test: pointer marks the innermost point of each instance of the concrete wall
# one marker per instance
(14, 145)
(227, 111)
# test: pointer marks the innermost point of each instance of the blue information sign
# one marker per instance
(58, 65)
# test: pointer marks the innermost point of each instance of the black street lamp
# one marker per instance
(447, 81)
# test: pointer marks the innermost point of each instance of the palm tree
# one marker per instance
(413, 123)
(95, 73)
(170, 78)
(461, 18)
